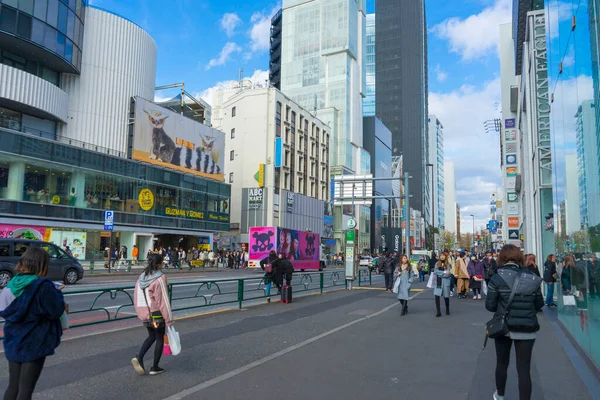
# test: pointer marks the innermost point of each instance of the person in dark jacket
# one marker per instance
(531, 263)
(268, 278)
(521, 320)
(476, 272)
(550, 278)
(389, 266)
(432, 263)
(565, 274)
(490, 266)
(31, 306)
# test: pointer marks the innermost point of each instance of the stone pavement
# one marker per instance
(340, 345)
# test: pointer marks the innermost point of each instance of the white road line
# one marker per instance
(264, 360)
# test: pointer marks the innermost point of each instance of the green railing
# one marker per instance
(104, 305)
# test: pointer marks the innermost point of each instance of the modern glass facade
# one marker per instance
(369, 100)
(49, 180)
(52, 26)
(573, 58)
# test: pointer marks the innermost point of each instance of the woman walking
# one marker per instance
(151, 300)
(31, 306)
(565, 274)
(267, 265)
(476, 272)
(442, 276)
(405, 277)
(550, 278)
(521, 318)
(531, 263)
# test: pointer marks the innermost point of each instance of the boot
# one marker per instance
(405, 307)
(403, 304)
(447, 301)
(437, 306)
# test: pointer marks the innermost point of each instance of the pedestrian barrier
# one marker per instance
(116, 303)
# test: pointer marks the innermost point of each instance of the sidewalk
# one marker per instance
(341, 345)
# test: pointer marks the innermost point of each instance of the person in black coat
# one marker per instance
(432, 263)
(550, 278)
(388, 268)
(264, 263)
(521, 319)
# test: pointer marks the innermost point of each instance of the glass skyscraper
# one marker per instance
(369, 100)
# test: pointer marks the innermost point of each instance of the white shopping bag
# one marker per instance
(430, 283)
(484, 288)
(396, 285)
(174, 341)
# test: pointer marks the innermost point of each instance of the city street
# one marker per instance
(340, 345)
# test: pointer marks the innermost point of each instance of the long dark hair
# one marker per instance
(154, 264)
(34, 261)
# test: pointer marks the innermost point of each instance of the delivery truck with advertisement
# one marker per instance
(301, 248)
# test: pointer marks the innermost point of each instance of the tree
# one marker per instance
(580, 241)
(447, 240)
(466, 241)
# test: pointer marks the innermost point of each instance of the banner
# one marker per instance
(30, 232)
(167, 139)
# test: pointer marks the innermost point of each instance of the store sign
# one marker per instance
(511, 159)
(261, 175)
(212, 216)
(255, 198)
(30, 232)
(511, 182)
(510, 135)
(509, 123)
(542, 109)
(55, 199)
(513, 234)
(511, 171)
(182, 212)
(291, 198)
(512, 197)
(109, 220)
(513, 222)
(512, 209)
(146, 199)
(511, 148)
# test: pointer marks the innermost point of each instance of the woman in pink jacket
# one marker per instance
(151, 300)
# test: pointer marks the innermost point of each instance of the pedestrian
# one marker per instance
(114, 256)
(565, 274)
(490, 266)
(550, 278)
(183, 258)
(68, 250)
(421, 269)
(432, 263)
(442, 276)
(122, 256)
(134, 254)
(151, 301)
(175, 258)
(531, 263)
(106, 257)
(31, 306)
(593, 269)
(476, 272)
(521, 318)
(278, 273)
(266, 265)
(405, 276)
(462, 275)
(452, 262)
(389, 266)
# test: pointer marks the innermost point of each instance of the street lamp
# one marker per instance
(473, 237)
(432, 209)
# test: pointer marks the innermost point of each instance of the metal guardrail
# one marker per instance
(112, 304)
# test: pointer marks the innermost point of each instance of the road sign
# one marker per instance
(493, 226)
(567, 243)
(109, 220)
(351, 223)
(513, 234)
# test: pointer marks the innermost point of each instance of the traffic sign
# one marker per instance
(109, 220)
(351, 223)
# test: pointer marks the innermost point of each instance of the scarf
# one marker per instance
(19, 283)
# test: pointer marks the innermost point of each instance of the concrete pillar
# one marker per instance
(16, 181)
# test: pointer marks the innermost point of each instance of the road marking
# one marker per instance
(264, 360)
(203, 314)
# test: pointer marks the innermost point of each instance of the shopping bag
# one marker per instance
(569, 300)
(167, 348)
(430, 283)
(174, 341)
(64, 320)
(484, 288)
(396, 285)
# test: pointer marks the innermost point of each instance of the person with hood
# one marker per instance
(550, 278)
(405, 275)
(151, 301)
(266, 264)
(442, 276)
(31, 306)
(476, 272)
(462, 275)
(521, 318)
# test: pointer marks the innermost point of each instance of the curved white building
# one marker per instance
(118, 63)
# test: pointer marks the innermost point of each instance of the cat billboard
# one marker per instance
(167, 139)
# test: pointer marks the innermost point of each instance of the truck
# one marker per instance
(300, 247)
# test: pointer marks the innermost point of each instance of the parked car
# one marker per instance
(62, 267)
(365, 261)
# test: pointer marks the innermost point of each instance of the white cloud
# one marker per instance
(229, 22)
(228, 50)
(260, 31)
(259, 77)
(475, 36)
(476, 154)
(440, 74)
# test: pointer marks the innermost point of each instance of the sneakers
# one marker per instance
(474, 297)
(497, 396)
(137, 365)
(478, 297)
(156, 371)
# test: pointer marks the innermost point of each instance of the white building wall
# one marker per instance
(118, 63)
(450, 204)
(572, 194)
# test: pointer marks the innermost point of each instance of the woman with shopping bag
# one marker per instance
(441, 284)
(403, 282)
(152, 306)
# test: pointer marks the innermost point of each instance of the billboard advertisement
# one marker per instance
(167, 139)
(30, 232)
(302, 248)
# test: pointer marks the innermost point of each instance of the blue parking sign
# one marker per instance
(109, 220)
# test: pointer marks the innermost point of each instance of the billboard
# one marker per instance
(302, 248)
(167, 139)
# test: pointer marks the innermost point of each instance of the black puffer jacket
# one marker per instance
(528, 299)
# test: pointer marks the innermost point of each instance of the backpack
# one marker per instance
(269, 268)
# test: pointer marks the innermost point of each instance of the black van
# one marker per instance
(63, 267)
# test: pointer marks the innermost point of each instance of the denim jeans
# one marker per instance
(268, 289)
(549, 294)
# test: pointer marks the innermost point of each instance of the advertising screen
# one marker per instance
(302, 248)
(162, 137)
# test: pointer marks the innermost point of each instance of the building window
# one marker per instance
(286, 181)
(232, 155)
(287, 156)
(278, 120)
(233, 133)
(8, 19)
(231, 177)
(287, 113)
(233, 111)
(293, 122)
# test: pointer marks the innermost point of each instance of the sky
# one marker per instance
(204, 43)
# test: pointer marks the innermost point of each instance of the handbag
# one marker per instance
(269, 268)
(497, 327)
(396, 285)
(430, 283)
(64, 318)
(156, 317)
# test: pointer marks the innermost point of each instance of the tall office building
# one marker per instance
(275, 50)
(401, 87)
(436, 157)
(369, 100)
(572, 196)
(450, 209)
(321, 70)
(587, 164)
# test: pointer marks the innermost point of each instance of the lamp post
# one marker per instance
(473, 236)
(432, 209)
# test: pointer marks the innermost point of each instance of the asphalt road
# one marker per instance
(340, 345)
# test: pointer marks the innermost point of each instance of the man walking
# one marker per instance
(462, 275)
(389, 265)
